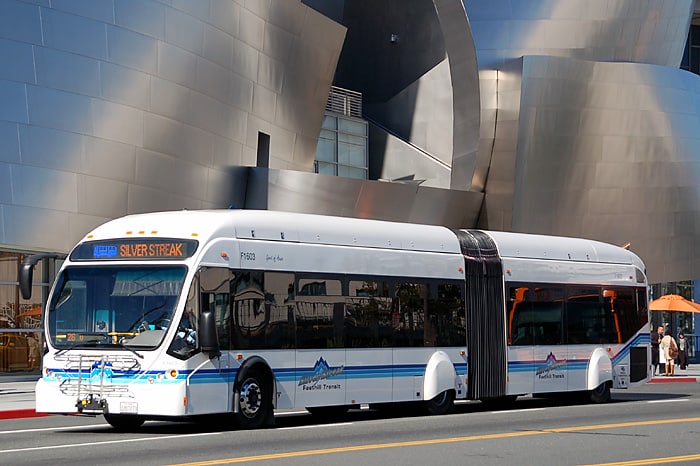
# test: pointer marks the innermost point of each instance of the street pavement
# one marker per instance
(17, 392)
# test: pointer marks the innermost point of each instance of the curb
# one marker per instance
(20, 414)
(674, 379)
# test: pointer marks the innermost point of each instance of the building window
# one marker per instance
(342, 147)
(20, 320)
(691, 54)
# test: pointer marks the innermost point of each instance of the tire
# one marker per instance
(124, 422)
(600, 394)
(441, 404)
(254, 400)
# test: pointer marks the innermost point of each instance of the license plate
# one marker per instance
(126, 407)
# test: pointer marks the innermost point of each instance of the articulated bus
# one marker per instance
(174, 315)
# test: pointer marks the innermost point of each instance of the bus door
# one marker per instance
(210, 382)
(550, 353)
(539, 355)
(367, 336)
(320, 355)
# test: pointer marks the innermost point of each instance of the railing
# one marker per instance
(344, 101)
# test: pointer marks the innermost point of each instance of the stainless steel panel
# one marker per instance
(20, 22)
(101, 10)
(176, 64)
(58, 109)
(329, 195)
(135, 50)
(144, 16)
(125, 85)
(27, 225)
(67, 71)
(44, 147)
(71, 33)
(44, 188)
(5, 183)
(117, 122)
(212, 80)
(108, 159)
(217, 46)
(604, 30)
(183, 30)
(9, 142)
(20, 56)
(14, 104)
(102, 197)
(169, 99)
(631, 181)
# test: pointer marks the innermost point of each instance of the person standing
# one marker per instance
(682, 351)
(670, 348)
(655, 339)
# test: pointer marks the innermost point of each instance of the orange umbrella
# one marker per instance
(35, 311)
(673, 302)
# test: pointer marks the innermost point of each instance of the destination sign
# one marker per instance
(134, 249)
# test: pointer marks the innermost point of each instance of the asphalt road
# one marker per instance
(654, 424)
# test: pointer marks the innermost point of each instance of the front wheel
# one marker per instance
(600, 394)
(124, 422)
(441, 404)
(253, 401)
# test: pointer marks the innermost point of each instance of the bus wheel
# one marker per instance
(253, 401)
(124, 422)
(600, 394)
(441, 404)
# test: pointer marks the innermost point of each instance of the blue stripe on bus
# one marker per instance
(349, 372)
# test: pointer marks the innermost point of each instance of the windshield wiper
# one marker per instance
(77, 345)
(95, 343)
(122, 345)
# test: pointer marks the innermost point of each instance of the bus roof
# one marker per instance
(205, 225)
(531, 246)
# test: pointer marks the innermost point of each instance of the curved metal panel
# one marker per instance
(461, 55)
(424, 82)
(653, 31)
(123, 107)
(295, 191)
(609, 151)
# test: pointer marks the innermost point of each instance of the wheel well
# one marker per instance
(257, 364)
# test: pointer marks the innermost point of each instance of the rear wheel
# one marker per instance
(124, 422)
(600, 394)
(441, 404)
(254, 400)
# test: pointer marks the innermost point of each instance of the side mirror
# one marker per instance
(26, 272)
(208, 338)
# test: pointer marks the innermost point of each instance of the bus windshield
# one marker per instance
(120, 306)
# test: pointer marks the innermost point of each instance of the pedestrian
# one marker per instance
(670, 348)
(655, 339)
(33, 355)
(682, 351)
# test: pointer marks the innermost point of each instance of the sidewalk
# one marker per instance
(17, 398)
(17, 393)
(690, 374)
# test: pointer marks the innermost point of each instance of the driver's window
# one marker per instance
(186, 343)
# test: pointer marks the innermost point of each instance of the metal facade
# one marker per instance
(564, 117)
(112, 107)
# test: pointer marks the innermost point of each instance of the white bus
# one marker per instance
(173, 315)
